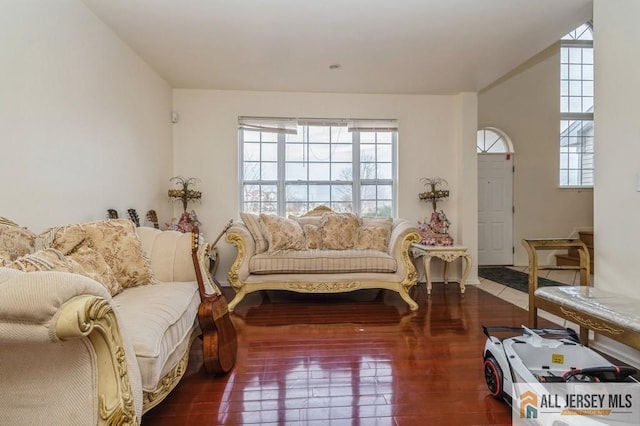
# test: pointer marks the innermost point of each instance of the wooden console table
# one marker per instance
(448, 254)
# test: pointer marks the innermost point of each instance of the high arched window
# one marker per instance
(576, 108)
(492, 141)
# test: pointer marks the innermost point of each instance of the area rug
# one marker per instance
(511, 278)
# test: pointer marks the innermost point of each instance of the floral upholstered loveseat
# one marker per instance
(96, 321)
(322, 252)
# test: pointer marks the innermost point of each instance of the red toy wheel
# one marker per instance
(493, 377)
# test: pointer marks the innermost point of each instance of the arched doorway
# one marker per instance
(495, 197)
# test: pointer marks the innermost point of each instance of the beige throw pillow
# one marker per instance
(64, 238)
(116, 240)
(282, 233)
(312, 236)
(46, 260)
(339, 230)
(96, 268)
(84, 262)
(307, 220)
(372, 237)
(15, 242)
(252, 222)
(385, 222)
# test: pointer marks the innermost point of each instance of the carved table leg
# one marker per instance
(465, 274)
(427, 272)
(446, 272)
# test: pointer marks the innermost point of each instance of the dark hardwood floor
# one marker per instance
(352, 359)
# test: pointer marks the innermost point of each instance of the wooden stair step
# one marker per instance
(586, 237)
(573, 252)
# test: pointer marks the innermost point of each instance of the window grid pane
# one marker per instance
(316, 167)
(576, 153)
(576, 160)
(489, 141)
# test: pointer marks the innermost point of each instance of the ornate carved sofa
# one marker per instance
(322, 252)
(74, 350)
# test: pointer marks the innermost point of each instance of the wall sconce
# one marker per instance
(184, 194)
(434, 195)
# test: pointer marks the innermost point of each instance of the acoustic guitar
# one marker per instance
(153, 218)
(133, 215)
(219, 338)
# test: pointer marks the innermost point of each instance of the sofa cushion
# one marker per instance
(159, 320)
(322, 261)
(282, 233)
(15, 242)
(252, 222)
(339, 230)
(116, 240)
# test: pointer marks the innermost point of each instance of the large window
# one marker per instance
(576, 108)
(291, 166)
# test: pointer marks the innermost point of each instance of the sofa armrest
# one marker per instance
(403, 234)
(240, 236)
(62, 347)
(399, 232)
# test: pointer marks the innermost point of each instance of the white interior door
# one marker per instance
(495, 209)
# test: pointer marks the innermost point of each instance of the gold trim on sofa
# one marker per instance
(167, 383)
(93, 317)
(402, 287)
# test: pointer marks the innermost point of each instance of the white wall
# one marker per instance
(431, 143)
(85, 122)
(526, 105)
(617, 135)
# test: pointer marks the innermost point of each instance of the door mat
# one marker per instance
(511, 278)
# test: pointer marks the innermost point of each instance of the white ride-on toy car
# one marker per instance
(543, 356)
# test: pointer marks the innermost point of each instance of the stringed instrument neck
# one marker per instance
(133, 215)
(153, 218)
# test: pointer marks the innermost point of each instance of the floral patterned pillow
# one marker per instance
(64, 238)
(385, 222)
(45, 260)
(307, 220)
(116, 240)
(339, 230)
(312, 236)
(372, 237)
(282, 233)
(96, 268)
(15, 242)
(5, 257)
(81, 262)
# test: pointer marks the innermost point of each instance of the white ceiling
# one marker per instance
(383, 46)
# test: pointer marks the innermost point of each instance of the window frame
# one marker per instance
(356, 182)
(564, 169)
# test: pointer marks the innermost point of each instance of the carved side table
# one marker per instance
(448, 254)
